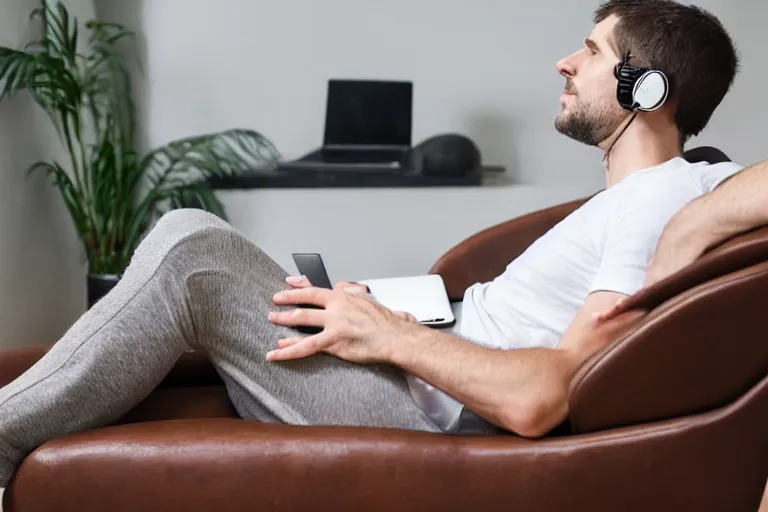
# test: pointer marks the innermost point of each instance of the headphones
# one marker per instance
(641, 89)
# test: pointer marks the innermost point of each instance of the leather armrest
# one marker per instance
(485, 255)
(228, 465)
(698, 351)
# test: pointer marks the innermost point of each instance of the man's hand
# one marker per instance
(303, 282)
(355, 327)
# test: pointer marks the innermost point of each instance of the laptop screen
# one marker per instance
(368, 112)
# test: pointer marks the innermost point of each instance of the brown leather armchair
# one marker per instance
(673, 415)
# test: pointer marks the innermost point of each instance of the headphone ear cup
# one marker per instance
(627, 77)
(651, 90)
(640, 88)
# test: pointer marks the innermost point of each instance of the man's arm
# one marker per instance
(736, 206)
(526, 390)
(523, 390)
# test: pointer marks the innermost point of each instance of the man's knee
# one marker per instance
(186, 221)
(178, 226)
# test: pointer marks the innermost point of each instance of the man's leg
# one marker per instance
(231, 299)
(193, 282)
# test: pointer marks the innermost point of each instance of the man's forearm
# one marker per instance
(738, 205)
(524, 390)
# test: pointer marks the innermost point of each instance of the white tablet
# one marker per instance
(424, 296)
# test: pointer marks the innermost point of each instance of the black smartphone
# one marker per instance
(312, 266)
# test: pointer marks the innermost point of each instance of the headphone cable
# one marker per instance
(607, 153)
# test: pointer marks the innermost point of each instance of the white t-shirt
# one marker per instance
(605, 244)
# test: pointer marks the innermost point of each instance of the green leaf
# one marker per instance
(18, 71)
(108, 87)
(60, 34)
(195, 195)
(70, 193)
(185, 164)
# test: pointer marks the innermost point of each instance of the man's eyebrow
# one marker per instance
(591, 44)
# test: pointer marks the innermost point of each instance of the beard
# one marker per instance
(589, 125)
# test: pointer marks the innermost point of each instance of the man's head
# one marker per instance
(685, 42)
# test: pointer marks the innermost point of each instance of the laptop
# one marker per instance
(423, 296)
(368, 124)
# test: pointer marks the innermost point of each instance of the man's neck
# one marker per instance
(640, 147)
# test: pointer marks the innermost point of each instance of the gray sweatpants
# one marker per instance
(194, 282)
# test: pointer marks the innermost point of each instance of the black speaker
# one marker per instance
(446, 155)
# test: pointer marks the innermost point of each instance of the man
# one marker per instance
(196, 283)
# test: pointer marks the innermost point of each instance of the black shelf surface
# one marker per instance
(340, 179)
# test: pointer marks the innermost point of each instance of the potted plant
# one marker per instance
(112, 193)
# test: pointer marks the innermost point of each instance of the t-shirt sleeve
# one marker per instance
(627, 246)
(633, 230)
(711, 176)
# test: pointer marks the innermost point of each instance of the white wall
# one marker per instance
(485, 68)
(41, 276)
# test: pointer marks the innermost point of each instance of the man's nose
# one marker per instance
(566, 66)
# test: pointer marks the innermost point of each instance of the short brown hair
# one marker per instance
(687, 43)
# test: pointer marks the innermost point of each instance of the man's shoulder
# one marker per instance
(645, 203)
(652, 196)
(710, 176)
(641, 193)
(678, 176)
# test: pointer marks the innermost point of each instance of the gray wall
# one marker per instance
(484, 68)
(41, 275)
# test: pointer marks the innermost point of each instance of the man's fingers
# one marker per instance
(306, 347)
(298, 281)
(287, 342)
(351, 287)
(299, 317)
(600, 316)
(309, 295)
(611, 312)
(406, 316)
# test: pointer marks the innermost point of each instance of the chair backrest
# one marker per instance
(486, 254)
(706, 154)
(701, 345)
